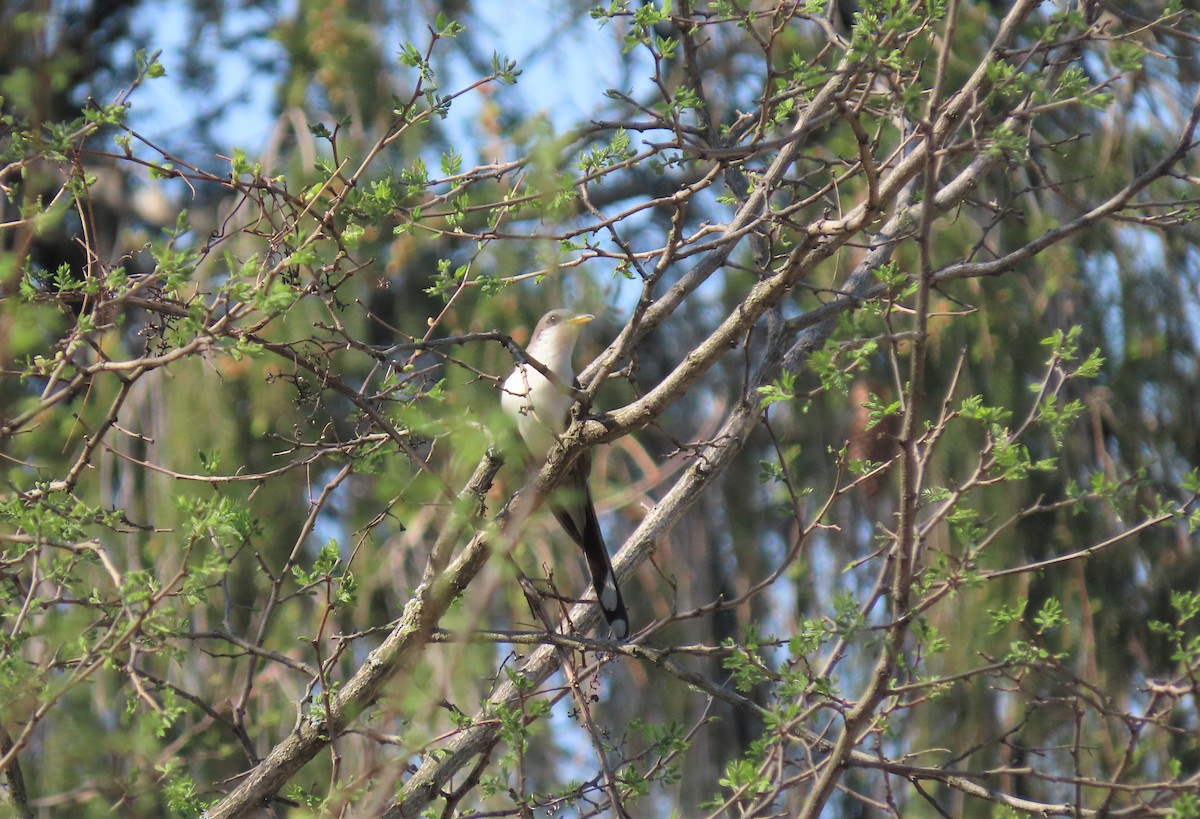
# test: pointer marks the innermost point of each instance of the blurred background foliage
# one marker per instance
(263, 439)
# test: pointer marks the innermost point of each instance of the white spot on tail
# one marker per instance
(609, 597)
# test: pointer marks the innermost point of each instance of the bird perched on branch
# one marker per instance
(541, 410)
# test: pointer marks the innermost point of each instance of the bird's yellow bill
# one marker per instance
(582, 318)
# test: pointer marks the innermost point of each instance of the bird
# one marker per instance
(541, 411)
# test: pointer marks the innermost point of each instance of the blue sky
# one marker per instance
(567, 62)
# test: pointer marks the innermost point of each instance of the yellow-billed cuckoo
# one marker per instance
(542, 412)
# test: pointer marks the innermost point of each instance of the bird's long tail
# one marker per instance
(604, 579)
(577, 514)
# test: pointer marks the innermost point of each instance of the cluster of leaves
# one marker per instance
(233, 494)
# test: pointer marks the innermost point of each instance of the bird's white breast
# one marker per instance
(526, 388)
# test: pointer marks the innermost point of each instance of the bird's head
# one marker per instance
(557, 331)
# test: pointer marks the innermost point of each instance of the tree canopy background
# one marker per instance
(892, 403)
